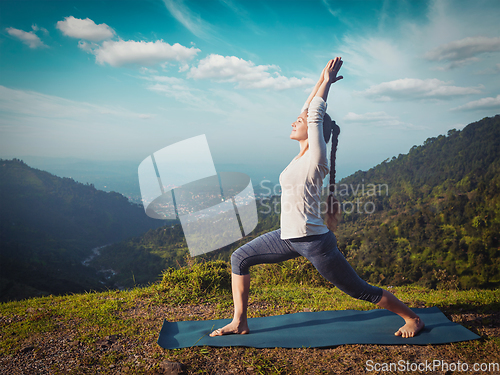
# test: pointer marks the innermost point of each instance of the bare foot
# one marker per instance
(232, 328)
(411, 328)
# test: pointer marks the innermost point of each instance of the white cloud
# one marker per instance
(463, 52)
(165, 79)
(145, 70)
(413, 88)
(180, 92)
(227, 68)
(85, 29)
(183, 67)
(121, 52)
(186, 17)
(484, 103)
(36, 28)
(161, 79)
(493, 70)
(374, 56)
(367, 117)
(458, 64)
(87, 47)
(379, 119)
(178, 89)
(28, 38)
(337, 12)
(245, 73)
(32, 123)
(31, 103)
(117, 53)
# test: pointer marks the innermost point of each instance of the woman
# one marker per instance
(303, 232)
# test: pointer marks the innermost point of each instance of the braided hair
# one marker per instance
(332, 215)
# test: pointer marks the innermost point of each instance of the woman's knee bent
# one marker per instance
(237, 264)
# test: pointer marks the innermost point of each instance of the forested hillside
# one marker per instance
(439, 224)
(49, 225)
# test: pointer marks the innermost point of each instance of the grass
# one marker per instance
(77, 325)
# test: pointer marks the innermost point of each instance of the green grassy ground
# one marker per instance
(115, 332)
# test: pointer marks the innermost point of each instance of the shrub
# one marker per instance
(197, 282)
(297, 271)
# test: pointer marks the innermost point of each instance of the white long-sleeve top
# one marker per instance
(302, 180)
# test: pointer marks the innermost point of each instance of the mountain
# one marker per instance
(431, 216)
(111, 175)
(49, 226)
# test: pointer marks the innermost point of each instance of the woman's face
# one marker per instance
(299, 128)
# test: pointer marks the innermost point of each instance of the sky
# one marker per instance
(119, 80)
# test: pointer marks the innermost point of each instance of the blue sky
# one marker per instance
(118, 80)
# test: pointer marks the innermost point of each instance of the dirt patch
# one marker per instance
(60, 352)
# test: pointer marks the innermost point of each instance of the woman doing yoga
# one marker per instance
(303, 232)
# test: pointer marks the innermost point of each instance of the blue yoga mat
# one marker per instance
(316, 329)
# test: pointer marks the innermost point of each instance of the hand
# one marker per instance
(331, 70)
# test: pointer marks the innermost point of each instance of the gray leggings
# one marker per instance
(321, 250)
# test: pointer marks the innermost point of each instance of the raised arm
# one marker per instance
(315, 89)
(316, 112)
(329, 76)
